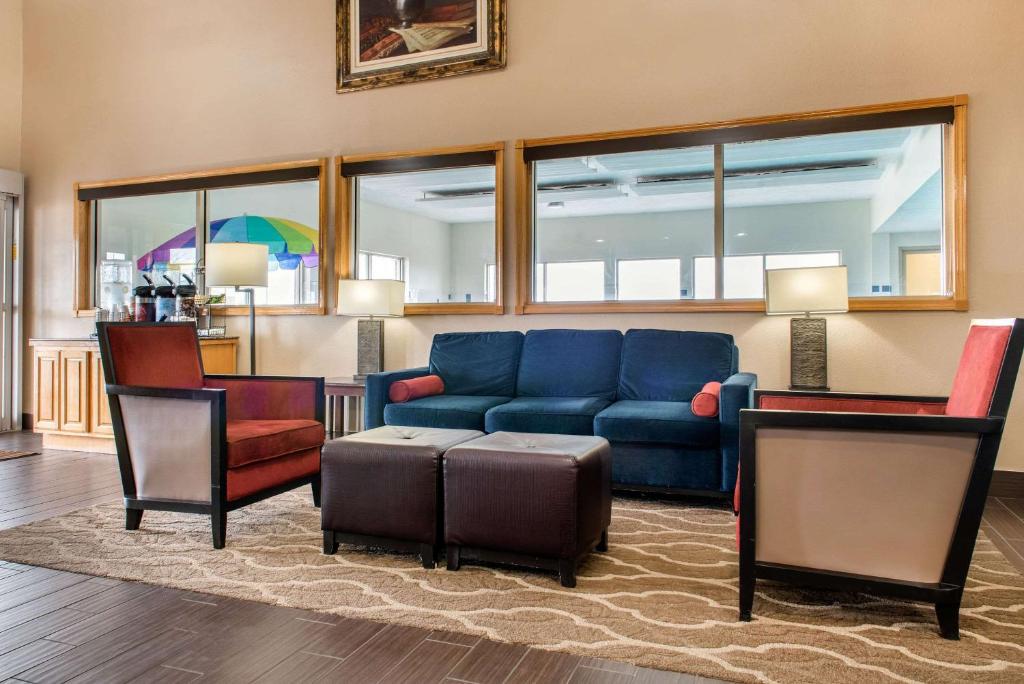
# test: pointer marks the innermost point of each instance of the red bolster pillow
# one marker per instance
(705, 402)
(402, 391)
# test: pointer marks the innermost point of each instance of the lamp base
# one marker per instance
(370, 347)
(808, 360)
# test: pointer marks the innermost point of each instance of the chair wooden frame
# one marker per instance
(946, 594)
(219, 505)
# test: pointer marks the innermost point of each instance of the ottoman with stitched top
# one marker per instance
(536, 500)
(382, 488)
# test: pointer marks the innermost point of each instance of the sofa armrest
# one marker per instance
(737, 393)
(270, 397)
(377, 388)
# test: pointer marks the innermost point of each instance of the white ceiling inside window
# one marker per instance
(823, 168)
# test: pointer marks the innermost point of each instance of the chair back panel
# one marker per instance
(877, 503)
(158, 355)
(979, 369)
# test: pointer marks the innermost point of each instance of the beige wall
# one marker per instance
(10, 84)
(130, 87)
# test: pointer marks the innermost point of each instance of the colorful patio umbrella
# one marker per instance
(290, 242)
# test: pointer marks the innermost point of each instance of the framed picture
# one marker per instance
(387, 42)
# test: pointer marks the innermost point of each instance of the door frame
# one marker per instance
(12, 184)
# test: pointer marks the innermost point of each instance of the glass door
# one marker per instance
(8, 339)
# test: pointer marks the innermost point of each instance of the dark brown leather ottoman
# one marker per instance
(382, 488)
(541, 501)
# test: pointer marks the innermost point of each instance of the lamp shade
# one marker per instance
(241, 264)
(821, 289)
(371, 298)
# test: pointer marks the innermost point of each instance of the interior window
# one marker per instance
(720, 205)
(438, 223)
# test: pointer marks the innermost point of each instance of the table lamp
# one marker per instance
(374, 299)
(243, 266)
(807, 291)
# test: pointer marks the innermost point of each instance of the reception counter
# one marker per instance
(69, 399)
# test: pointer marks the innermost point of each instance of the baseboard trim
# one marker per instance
(26, 421)
(1007, 484)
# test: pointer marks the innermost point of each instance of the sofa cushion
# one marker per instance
(250, 441)
(570, 363)
(480, 364)
(257, 477)
(550, 415)
(656, 422)
(671, 365)
(457, 412)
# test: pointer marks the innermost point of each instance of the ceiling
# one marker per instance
(822, 168)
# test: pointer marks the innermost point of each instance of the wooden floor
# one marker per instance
(63, 627)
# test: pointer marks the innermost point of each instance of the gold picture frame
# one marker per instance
(389, 42)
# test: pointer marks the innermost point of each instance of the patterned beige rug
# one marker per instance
(664, 596)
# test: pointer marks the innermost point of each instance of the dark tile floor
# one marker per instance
(1004, 525)
(64, 627)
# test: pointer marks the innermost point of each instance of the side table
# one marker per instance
(348, 417)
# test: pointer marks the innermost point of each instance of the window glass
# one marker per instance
(648, 279)
(286, 218)
(867, 196)
(802, 260)
(373, 266)
(151, 235)
(491, 281)
(619, 210)
(744, 275)
(571, 281)
(440, 224)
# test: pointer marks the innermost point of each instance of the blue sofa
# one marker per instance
(633, 389)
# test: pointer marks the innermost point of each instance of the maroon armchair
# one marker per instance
(876, 493)
(198, 443)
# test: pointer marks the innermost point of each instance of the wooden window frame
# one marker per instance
(345, 248)
(954, 209)
(237, 176)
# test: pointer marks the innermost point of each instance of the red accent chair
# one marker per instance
(876, 493)
(199, 443)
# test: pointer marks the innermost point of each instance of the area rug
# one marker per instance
(664, 596)
(8, 455)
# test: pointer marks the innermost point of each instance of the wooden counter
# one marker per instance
(69, 396)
